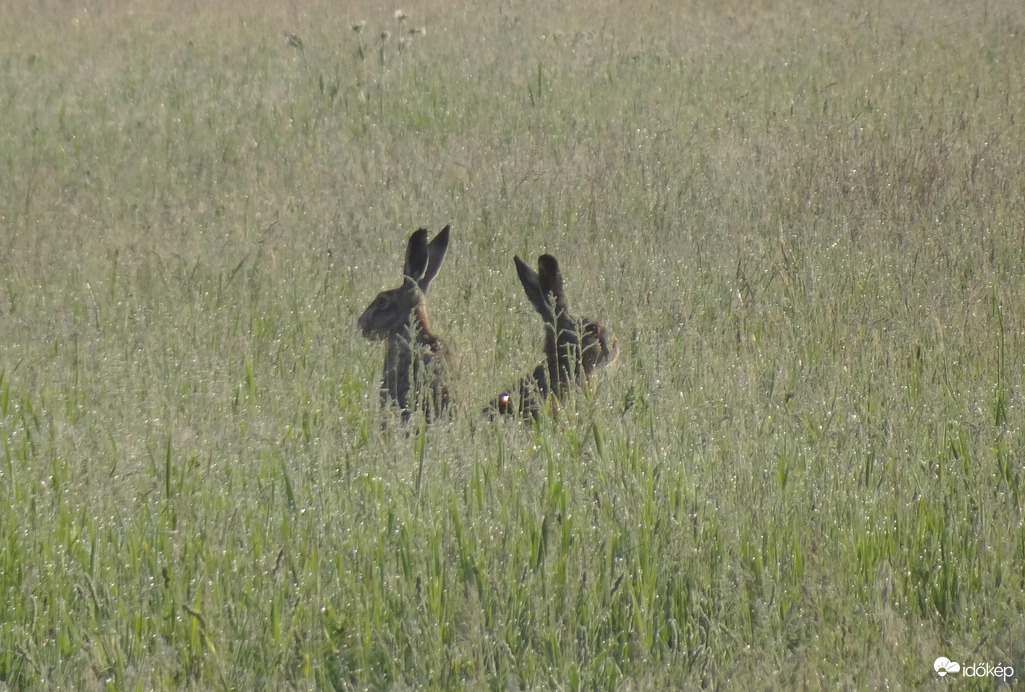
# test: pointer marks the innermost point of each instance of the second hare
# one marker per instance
(575, 348)
(416, 359)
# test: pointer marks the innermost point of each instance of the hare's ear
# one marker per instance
(532, 287)
(551, 277)
(436, 255)
(417, 256)
(551, 284)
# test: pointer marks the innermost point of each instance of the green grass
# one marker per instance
(805, 225)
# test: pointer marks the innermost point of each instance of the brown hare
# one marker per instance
(416, 359)
(575, 348)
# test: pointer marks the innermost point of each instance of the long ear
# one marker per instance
(551, 283)
(436, 255)
(417, 256)
(551, 277)
(532, 287)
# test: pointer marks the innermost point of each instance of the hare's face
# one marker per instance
(391, 311)
(597, 350)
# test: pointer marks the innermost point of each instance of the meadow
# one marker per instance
(804, 223)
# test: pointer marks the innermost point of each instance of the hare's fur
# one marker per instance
(416, 360)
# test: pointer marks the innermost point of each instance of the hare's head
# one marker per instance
(574, 347)
(396, 309)
(544, 288)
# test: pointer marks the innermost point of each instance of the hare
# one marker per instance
(416, 359)
(575, 348)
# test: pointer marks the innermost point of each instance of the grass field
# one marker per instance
(804, 222)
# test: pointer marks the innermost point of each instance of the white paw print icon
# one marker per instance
(944, 665)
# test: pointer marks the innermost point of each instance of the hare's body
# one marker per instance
(575, 348)
(416, 360)
(416, 365)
